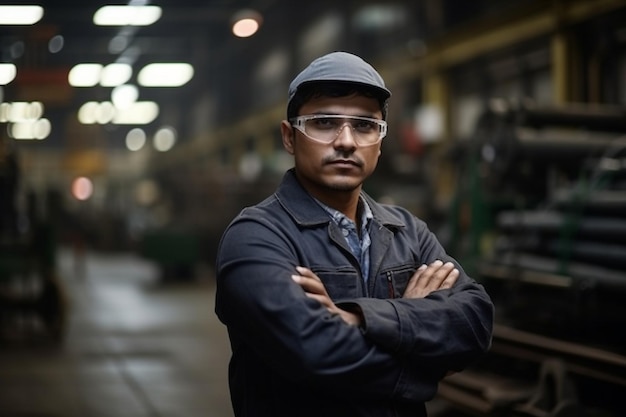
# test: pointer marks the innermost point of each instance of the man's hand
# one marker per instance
(315, 289)
(429, 278)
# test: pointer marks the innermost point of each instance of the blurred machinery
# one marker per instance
(32, 301)
(542, 207)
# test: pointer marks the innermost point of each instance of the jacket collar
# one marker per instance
(306, 212)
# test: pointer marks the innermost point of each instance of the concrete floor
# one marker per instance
(133, 347)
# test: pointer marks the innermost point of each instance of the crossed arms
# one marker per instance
(426, 279)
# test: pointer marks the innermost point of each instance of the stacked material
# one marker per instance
(554, 186)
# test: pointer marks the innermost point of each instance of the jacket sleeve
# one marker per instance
(267, 311)
(445, 331)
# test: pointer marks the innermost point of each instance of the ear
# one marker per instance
(287, 133)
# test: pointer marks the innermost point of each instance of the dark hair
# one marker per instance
(312, 90)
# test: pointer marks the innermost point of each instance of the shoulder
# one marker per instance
(254, 227)
(265, 212)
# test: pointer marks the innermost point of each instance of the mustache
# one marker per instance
(342, 157)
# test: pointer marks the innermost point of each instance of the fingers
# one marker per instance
(309, 281)
(306, 272)
(305, 277)
(429, 278)
(314, 288)
(450, 279)
(438, 275)
(435, 274)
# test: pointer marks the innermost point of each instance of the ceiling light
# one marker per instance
(165, 75)
(126, 15)
(105, 112)
(245, 28)
(7, 73)
(35, 129)
(82, 188)
(85, 75)
(20, 15)
(93, 112)
(87, 113)
(135, 139)
(5, 111)
(124, 96)
(164, 139)
(21, 111)
(246, 23)
(139, 113)
(115, 74)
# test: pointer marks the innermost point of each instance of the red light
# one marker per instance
(82, 188)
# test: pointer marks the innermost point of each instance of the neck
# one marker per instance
(347, 204)
(344, 201)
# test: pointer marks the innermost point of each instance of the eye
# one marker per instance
(365, 126)
(324, 123)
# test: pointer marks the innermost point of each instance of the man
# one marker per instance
(337, 305)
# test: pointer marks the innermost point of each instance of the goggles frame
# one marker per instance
(299, 123)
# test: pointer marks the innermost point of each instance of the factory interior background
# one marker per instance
(507, 134)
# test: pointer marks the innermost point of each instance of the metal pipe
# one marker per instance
(605, 228)
(591, 275)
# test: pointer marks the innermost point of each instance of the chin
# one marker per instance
(344, 184)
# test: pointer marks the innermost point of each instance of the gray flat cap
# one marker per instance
(342, 67)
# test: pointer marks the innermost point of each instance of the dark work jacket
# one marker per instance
(290, 357)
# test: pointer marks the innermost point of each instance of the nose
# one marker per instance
(345, 139)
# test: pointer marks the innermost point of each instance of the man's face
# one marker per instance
(341, 165)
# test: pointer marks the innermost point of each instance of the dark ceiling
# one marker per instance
(182, 25)
(193, 31)
(198, 32)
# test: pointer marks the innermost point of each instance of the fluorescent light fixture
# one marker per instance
(85, 75)
(5, 110)
(126, 15)
(165, 75)
(105, 112)
(7, 73)
(20, 15)
(25, 120)
(20, 111)
(93, 112)
(135, 139)
(87, 113)
(164, 139)
(115, 74)
(138, 113)
(123, 96)
(35, 129)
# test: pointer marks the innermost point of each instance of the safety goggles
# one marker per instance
(325, 128)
